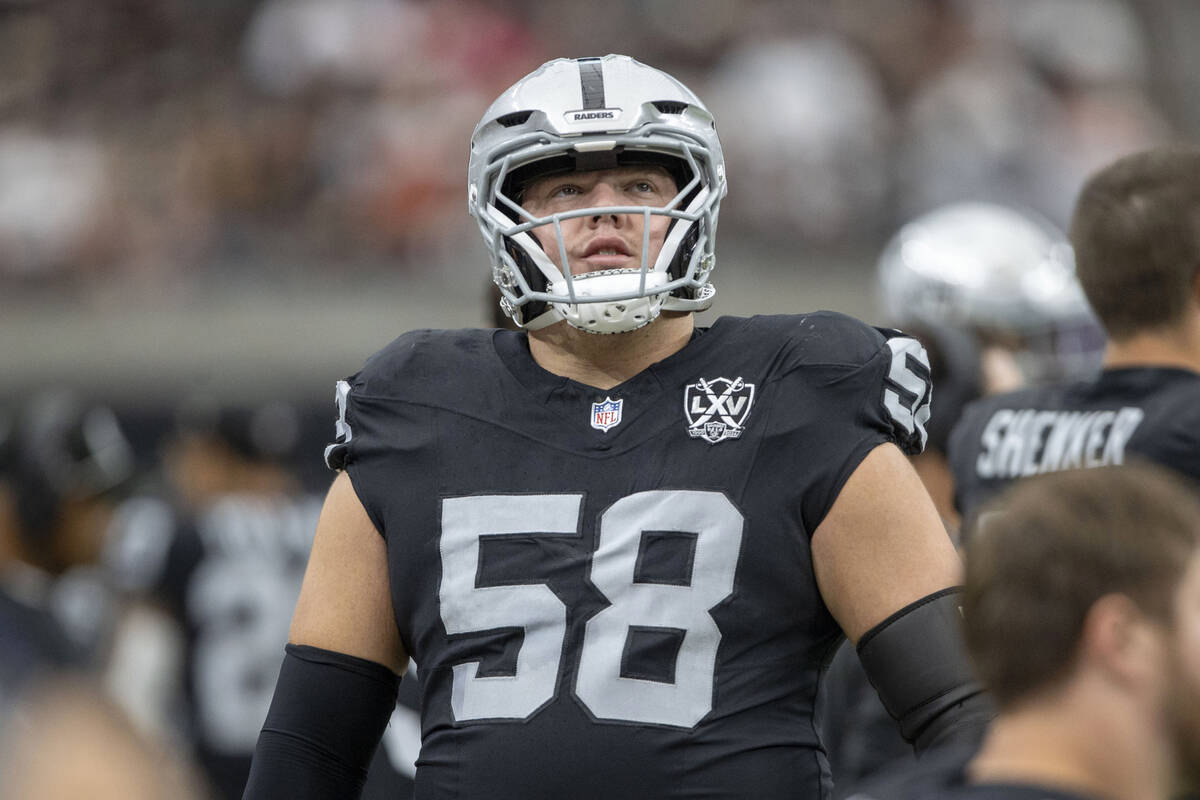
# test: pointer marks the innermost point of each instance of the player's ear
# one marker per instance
(1123, 644)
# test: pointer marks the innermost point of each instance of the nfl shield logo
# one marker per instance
(606, 414)
(717, 409)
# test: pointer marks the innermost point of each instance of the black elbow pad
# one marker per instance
(917, 663)
(326, 719)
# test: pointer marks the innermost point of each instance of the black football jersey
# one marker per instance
(230, 575)
(609, 593)
(1148, 413)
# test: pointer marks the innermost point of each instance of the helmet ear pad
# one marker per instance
(533, 277)
(683, 256)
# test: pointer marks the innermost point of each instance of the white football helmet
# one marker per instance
(596, 113)
(1007, 275)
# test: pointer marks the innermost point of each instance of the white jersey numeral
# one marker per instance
(718, 528)
(710, 517)
(912, 413)
(467, 608)
(243, 607)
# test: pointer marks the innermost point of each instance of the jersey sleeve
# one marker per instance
(339, 452)
(377, 417)
(905, 392)
(363, 399)
(856, 387)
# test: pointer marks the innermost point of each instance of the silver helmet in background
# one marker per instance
(1007, 275)
(596, 113)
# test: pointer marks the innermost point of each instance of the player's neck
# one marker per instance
(605, 361)
(1177, 346)
(1055, 745)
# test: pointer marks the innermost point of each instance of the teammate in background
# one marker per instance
(1136, 234)
(1082, 617)
(221, 548)
(619, 546)
(62, 461)
(991, 288)
(989, 291)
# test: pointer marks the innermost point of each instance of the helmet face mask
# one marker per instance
(596, 114)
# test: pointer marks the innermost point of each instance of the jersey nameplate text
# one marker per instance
(1017, 443)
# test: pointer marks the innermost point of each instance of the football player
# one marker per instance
(1082, 617)
(221, 549)
(62, 462)
(619, 547)
(1136, 235)
(989, 290)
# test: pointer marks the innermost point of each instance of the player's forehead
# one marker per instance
(616, 174)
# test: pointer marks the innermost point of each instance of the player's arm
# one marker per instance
(888, 573)
(337, 687)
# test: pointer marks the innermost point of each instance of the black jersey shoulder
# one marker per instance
(416, 360)
(819, 338)
(435, 365)
(1176, 401)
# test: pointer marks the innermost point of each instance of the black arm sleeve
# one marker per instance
(326, 719)
(916, 661)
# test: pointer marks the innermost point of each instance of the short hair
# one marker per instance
(1045, 551)
(1136, 235)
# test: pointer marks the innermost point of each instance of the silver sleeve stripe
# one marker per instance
(591, 82)
(343, 433)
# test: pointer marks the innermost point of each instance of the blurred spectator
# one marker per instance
(54, 194)
(811, 149)
(1045, 93)
(910, 41)
(294, 45)
(978, 131)
(292, 135)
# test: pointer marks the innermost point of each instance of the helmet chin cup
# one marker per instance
(612, 316)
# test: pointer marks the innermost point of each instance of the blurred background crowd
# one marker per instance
(209, 212)
(260, 191)
(160, 142)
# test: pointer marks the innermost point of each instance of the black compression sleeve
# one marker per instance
(917, 663)
(326, 718)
